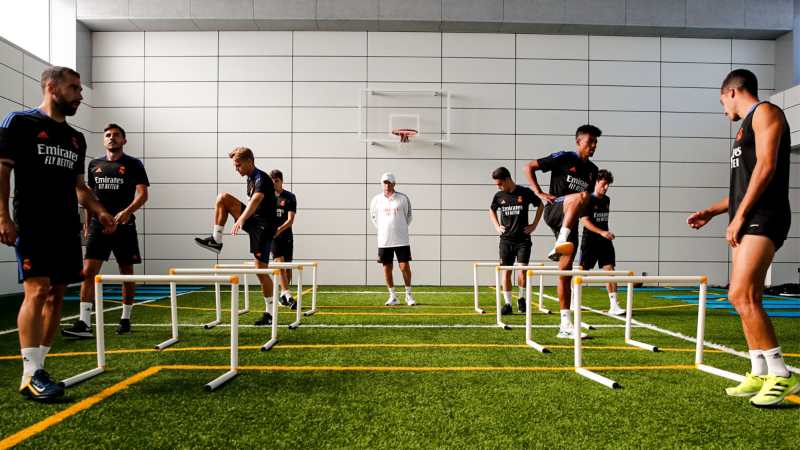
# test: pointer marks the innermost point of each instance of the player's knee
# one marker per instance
(222, 198)
(37, 294)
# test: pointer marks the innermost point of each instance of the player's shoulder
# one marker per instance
(564, 154)
(401, 195)
(17, 118)
(289, 195)
(132, 159)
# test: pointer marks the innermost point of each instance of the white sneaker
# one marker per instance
(567, 333)
(616, 311)
(392, 302)
(410, 300)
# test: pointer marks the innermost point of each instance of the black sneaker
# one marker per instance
(41, 388)
(78, 330)
(265, 320)
(209, 243)
(505, 310)
(124, 326)
(283, 300)
(521, 305)
(292, 304)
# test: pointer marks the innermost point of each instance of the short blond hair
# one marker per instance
(241, 153)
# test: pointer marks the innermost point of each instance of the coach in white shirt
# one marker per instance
(391, 215)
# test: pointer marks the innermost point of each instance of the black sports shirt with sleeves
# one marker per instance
(286, 202)
(259, 181)
(114, 182)
(570, 174)
(513, 208)
(48, 156)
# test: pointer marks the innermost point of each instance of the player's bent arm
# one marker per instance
(493, 218)
(141, 197)
(252, 206)
(286, 225)
(530, 172)
(538, 216)
(768, 126)
(87, 199)
(587, 224)
(409, 216)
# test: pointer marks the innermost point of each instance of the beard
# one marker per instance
(64, 107)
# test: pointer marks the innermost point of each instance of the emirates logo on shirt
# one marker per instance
(43, 135)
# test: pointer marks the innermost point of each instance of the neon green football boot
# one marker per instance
(750, 386)
(775, 389)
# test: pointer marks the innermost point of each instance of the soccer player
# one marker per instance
(257, 218)
(596, 243)
(759, 218)
(511, 205)
(572, 179)
(391, 214)
(120, 183)
(47, 157)
(283, 242)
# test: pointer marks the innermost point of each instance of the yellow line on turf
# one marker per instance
(422, 368)
(86, 403)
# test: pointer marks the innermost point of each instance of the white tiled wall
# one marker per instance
(188, 98)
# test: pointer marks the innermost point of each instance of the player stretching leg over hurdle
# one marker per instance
(257, 218)
(573, 177)
(120, 183)
(511, 204)
(596, 242)
(283, 242)
(47, 157)
(390, 212)
(759, 219)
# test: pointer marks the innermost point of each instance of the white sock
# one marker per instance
(758, 365)
(522, 292)
(563, 234)
(507, 297)
(566, 322)
(30, 360)
(126, 311)
(43, 351)
(775, 364)
(86, 313)
(217, 233)
(612, 300)
(268, 304)
(392, 293)
(408, 290)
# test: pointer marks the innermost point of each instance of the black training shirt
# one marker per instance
(513, 208)
(259, 181)
(286, 202)
(114, 182)
(570, 174)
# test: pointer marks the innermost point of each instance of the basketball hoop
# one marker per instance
(404, 133)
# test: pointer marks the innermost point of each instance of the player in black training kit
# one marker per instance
(47, 157)
(283, 242)
(257, 218)
(511, 205)
(760, 216)
(596, 243)
(572, 178)
(120, 183)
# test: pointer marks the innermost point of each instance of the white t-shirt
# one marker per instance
(391, 216)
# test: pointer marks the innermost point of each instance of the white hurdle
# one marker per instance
(173, 280)
(578, 283)
(278, 265)
(476, 285)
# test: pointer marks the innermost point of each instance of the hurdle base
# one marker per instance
(219, 381)
(607, 382)
(271, 343)
(310, 312)
(545, 311)
(503, 326)
(244, 311)
(211, 325)
(587, 326)
(166, 344)
(539, 347)
(720, 372)
(294, 325)
(642, 345)
(480, 311)
(81, 377)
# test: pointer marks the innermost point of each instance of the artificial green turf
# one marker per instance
(665, 408)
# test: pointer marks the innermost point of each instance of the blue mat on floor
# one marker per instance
(143, 292)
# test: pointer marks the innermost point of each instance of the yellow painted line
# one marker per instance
(423, 368)
(82, 405)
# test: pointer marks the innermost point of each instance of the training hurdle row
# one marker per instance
(173, 281)
(579, 281)
(273, 265)
(476, 286)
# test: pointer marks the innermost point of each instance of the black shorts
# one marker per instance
(260, 232)
(386, 254)
(511, 251)
(554, 218)
(41, 253)
(123, 242)
(597, 252)
(771, 226)
(283, 248)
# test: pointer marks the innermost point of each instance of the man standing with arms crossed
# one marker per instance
(120, 183)
(47, 156)
(257, 218)
(572, 179)
(759, 219)
(390, 212)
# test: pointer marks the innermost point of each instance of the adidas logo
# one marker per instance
(43, 135)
